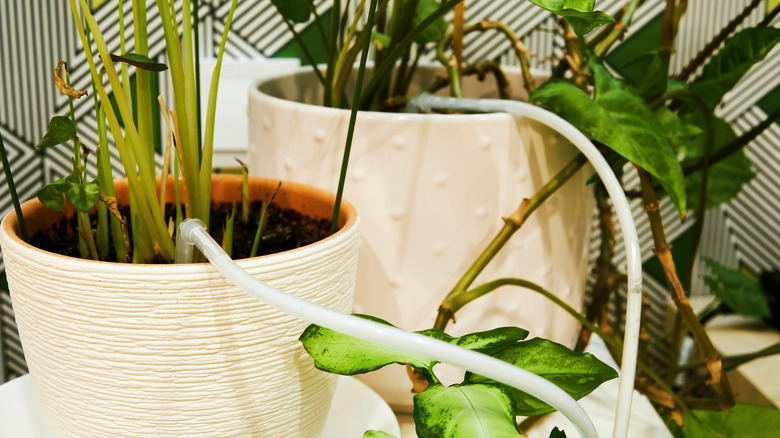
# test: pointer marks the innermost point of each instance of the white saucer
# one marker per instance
(355, 409)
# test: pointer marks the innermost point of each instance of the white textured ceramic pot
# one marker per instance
(431, 190)
(120, 350)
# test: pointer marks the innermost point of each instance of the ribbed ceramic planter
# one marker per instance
(119, 350)
(431, 190)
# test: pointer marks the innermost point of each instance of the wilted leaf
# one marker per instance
(579, 13)
(576, 373)
(338, 353)
(61, 129)
(619, 118)
(733, 60)
(111, 205)
(62, 85)
(465, 411)
(140, 61)
(738, 291)
(297, 11)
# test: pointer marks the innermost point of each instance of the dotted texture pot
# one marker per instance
(121, 350)
(431, 190)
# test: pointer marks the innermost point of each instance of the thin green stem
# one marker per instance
(352, 119)
(335, 19)
(394, 53)
(203, 208)
(306, 53)
(511, 224)
(9, 180)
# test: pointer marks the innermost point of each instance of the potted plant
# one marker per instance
(431, 189)
(663, 127)
(153, 348)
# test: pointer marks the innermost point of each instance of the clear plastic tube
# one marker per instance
(193, 232)
(426, 102)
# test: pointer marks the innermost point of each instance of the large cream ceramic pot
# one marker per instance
(431, 191)
(120, 350)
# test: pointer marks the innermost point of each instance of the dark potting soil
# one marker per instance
(285, 229)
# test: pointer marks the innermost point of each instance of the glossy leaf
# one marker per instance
(652, 70)
(742, 421)
(338, 353)
(465, 411)
(738, 54)
(727, 176)
(377, 434)
(51, 197)
(297, 11)
(140, 61)
(83, 196)
(557, 433)
(740, 292)
(576, 373)
(680, 133)
(487, 342)
(579, 13)
(436, 30)
(61, 129)
(619, 118)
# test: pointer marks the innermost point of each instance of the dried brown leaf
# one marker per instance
(62, 85)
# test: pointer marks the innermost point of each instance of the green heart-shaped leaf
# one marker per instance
(297, 11)
(579, 13)
(61, 129)
(465, 411)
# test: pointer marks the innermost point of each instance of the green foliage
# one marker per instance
(619, 118)
(377, 434)
(338, 353)
(82, 196)
(576, 373)
(740, 292)
(436, 30)
(557, 433)
(579, 13)
(487, 342)
(727, 175)
(297, 11)
(742, 421)
(140, 61)
(61, 129)
(726, 68)
(465, 411)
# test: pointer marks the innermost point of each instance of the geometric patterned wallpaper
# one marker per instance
(34, 35)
